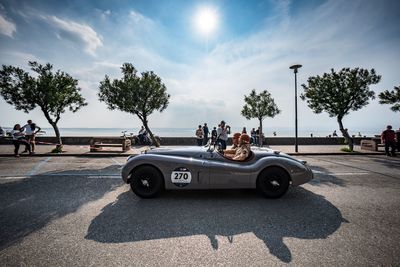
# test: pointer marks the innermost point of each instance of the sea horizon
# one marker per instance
(190, 132)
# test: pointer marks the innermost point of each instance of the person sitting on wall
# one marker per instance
(243, 151)
(230, 153)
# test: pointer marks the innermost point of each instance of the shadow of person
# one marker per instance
(27, 205)
(300, 214)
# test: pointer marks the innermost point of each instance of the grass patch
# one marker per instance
(57, 149)
(345, 149)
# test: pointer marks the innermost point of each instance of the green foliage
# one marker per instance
(391, 97)
(57, 149)
(346, 149)
(140, 95)
(259, 106)
(339, 93)
(52, 92)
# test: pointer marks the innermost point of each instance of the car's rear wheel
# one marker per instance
(146, 182)
(273, 182)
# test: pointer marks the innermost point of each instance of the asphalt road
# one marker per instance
(69, 211)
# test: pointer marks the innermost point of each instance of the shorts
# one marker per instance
(30, 138)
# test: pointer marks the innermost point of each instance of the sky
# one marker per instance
(207, 74)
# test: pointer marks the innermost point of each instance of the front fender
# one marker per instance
(298, 172)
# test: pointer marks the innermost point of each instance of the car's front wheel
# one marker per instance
(146, 182)
(273, 182)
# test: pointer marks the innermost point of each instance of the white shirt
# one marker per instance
(17, 134)
(28, 129)
(222, 134)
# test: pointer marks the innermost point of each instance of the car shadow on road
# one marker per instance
(299, 214)
(27, 205)
(322, 176)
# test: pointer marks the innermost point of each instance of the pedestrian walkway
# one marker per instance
(76, 150)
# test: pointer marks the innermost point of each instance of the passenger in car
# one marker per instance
(243, 151)
(235, 144)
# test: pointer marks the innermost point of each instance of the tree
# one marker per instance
(259, 106)
(391, 97)
(339, 93)
(51, 92)
(139, 95)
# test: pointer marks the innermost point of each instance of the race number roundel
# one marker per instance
(181, 177)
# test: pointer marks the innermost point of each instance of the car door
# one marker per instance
(225, 174)
(190, 173)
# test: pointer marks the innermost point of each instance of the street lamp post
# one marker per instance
(295, 68)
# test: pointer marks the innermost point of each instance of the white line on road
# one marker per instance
(36, 168)
(116, 161)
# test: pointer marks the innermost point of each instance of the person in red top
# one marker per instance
(388, 138)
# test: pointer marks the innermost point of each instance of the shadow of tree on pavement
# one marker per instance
(27, 205)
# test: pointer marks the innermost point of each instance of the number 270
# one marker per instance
(180, 175)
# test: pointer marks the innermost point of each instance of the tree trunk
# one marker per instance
(57, 131)
(154, 140)
(345, 134)
(260, 135)
(55, 127)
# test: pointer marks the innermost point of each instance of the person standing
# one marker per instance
(253, 136)
(398, 140)
(141, 135)
(222, 134)
(18, 139)
(244, 131)
(31, 130)
(2, 132)
(199, 136)
(388, 138)
(214, 135)
(206, 132)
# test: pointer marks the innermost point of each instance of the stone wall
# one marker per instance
(191, 141)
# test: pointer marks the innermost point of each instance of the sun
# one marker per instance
(206, 20)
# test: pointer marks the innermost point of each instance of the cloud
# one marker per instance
(330, 35)
(7, 27)
(77, 33)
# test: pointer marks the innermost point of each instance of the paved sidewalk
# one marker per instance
(76, 150)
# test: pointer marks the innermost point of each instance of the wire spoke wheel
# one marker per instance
(273, 182)
(146, 182)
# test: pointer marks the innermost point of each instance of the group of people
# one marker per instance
(218, 135)
(240, 149)
(25, 136)
(391, 140)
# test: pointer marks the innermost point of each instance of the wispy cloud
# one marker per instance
(7, 27)
(76, 32)
(261, 60)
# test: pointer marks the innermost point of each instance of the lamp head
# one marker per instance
(295, 67)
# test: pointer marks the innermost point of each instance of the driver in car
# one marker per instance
(243, 150)
(230, 153)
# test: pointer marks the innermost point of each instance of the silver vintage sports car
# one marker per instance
(271, 172)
